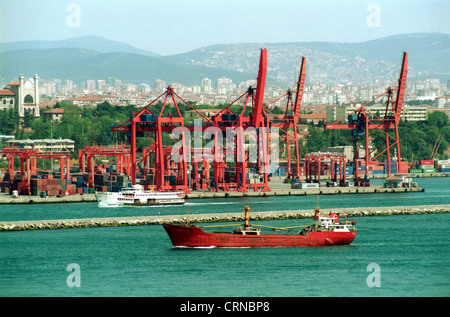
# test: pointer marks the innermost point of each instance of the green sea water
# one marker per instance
(403, 255)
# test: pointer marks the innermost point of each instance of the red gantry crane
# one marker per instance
(365, 124)
(335, 163)
(255, 126)
(28, 165)
(88, 154)
(288, 125)
(144, 123)
(170, 170)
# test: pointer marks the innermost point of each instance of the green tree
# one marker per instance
(317, 139)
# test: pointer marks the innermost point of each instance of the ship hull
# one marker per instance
(195, 237)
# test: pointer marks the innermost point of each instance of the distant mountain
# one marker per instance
(365, 62)
(80, 65)
(92, 57)
(92, 43)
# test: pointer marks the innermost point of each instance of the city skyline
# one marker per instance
(224, 90)
(186, 25)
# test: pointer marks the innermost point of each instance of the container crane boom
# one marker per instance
(299, 93)
(401, 88)
(261, 81)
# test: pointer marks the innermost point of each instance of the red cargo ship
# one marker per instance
(324, 231)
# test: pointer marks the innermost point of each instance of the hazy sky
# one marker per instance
(177, 26)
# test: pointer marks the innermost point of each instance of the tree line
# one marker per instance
(85, 125)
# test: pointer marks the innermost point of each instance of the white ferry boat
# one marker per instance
(136, 195)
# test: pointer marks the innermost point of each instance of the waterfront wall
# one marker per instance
(308, 191)
(216, 217)
(23, 199)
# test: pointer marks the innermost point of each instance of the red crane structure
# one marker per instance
(168, 163)
(364, 123)
(28, 165)
(288, 124)
(145, 123)
(235, 127)
(335, 163)
(88, 154)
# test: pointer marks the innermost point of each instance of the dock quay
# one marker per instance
(276, 191)
(216, 217)
(306, 191)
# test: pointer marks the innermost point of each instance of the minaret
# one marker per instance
(19, 103)
(36, 96)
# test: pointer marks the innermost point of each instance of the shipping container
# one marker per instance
(53, 192)
(428, 170)
(403, 169)
(309, 185)
(422, 166)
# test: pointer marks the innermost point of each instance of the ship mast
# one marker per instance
(317, 204)
(317, 210)
(246, 218)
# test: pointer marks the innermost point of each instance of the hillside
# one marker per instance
(91, 57)
(79, 65)
(91, 43)
(365, 62)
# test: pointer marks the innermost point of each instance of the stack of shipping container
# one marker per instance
(442, 166)
(46, 183)
(431, 166)
(423, 166)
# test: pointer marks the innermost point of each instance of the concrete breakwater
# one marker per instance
(216, 217)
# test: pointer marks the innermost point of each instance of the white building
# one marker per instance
(225, 85)
(442, 102)
(206, 85)
(144, 88)
(44, 145)
(365, 93)
(409, 112)
(90, 85)
(101, 83)
(159, 84)
(21, 95)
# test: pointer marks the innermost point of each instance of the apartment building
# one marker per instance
(44, 145)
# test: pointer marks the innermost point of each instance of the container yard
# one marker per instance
(234, 167)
